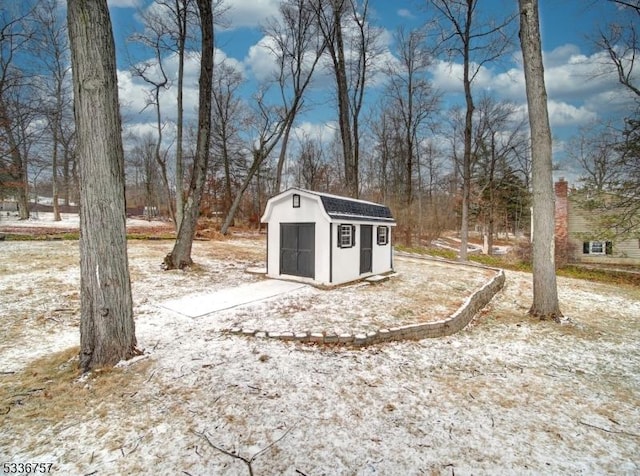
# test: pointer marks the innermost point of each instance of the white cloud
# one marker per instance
(447, 77)
(261, 60)
(249, 13)
(405, 13)
(579, 76)
(580, 87)
(138, 129)
(559, 56)
(563, 114)
(132, 95)
(508, 85)
(324, 131)
(124, 3)
(615, 100)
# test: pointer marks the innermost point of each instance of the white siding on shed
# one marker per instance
(333, 264)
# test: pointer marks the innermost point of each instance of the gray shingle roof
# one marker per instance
(342, 208)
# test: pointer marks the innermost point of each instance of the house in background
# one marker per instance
(577, 238)
(326, 239)
(8, 206)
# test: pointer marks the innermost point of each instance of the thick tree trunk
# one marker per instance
(344, 122)
(545, 293)
(180, 256)
(107, 330)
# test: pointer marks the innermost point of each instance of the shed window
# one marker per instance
(296, 200)
(346, 236)
(597, 247)
(383, 235)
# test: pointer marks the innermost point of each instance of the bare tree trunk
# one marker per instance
(268, 140)
(468, 134)
(65, 179)
(51, 51)
(478, 42)
(545, 293)
(107, 330)
(161, 161)
(54, 159)
(331, 25)
(299, 47)
(18, 172)
(54, 178)
(491, 184)
(282, 157)
(344, 122)
(68, 168)
(16, 111)
(23, 189)
(180, 256)
(228, 187)
(182, 34)
(258, 158)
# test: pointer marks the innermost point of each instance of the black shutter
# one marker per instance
(353, 235)
(609, 247)
(585, 247)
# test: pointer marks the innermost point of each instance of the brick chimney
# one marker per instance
(562, 221)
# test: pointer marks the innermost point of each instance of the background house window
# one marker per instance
(346, 236)
(383, 235)
(597, 247)
(296, 200)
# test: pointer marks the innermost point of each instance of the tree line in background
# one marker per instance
(395, 167)
(391, 151)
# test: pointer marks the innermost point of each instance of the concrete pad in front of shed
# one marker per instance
(197, 305)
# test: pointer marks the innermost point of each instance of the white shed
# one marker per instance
(326, 239)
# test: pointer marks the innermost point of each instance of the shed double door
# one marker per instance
(297, 249)
(366, 248)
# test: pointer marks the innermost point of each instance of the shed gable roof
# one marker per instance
(345, 208)
(336, 207)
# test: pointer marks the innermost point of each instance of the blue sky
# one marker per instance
(578, 91)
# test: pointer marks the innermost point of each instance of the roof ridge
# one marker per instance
(338, 197)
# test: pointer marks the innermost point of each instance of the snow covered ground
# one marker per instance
(41, 219)
(68, 221)
(508, 395)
